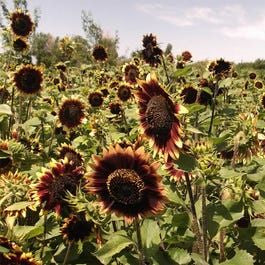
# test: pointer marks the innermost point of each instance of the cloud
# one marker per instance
(254, 31)
(231, 20)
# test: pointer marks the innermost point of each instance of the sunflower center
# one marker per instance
(61, 185)
(125, 186)
(30, 80)
(72, 112)
(158, 115)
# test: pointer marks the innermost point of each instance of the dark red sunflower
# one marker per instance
(189, 95)
(95, 99)
(54, 184)
(99, 53)
(5, 161)
(131, 73)
(61, 66)
(71, 113)
(252, 76)
(158, 117)
(258, 84)
(21, 23)
(186, 56)
(28, 79)
(76, 228)
(149, 40)
(124, 92)
(126, 183)
(205, 98)
(115, 108)
(152, 55)
(220, 67)
(20, 45)
(67, 151)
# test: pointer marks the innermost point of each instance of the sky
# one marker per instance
(209, 29)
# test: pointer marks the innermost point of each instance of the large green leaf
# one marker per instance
(150, 233)
(5, 109)
(181, 256)
(186, 162)
(114, 245)
(241, 258)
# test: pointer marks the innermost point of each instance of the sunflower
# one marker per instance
(180, 65)
(71, 113)
(205, 98)
(67, 151)
(131, 73)
(95, 99)
(28, 79)
(105, 92)
(115, 108)
(54, 184)
(124, 92)
(158, 117)
(21, 23)
(126, 183)
(186, 56)
(258, 84)
(252, 76)
(20, 45)
(220, 67)
(5, 161)
(151, 55)
(189, 95)
(76, 228)
(99, 53)
(61, 66)
(149, 40)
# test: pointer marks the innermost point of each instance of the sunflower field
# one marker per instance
(153, 159)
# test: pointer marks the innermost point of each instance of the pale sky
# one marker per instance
(233, 29)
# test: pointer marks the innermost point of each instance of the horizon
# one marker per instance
(233, 30)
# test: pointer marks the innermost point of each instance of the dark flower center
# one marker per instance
(125, 186)
(72, 112)
(158, 115)
(62, 184)
(5, 162)
(30, 80)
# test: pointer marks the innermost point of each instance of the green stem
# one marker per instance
(213, 108)
(204, 224)
(67, 252)
(195, 222)
(139, 242)
(165, 68)
(44, 236)
(12, 109)
(28, 109)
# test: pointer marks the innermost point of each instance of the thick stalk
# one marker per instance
(165, 68)
(67, 253)
(204, 224)
(12, 109)
(213, 109)
(139, 242)
(28, 109)
(44, 236)
(195, 223)
(221, 245)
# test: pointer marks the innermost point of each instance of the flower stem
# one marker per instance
(12, 109)
(213, 108)
(44, 235)
(204, 224)
(165, 68)
(139, 242)
(67, 252)
(195, 223)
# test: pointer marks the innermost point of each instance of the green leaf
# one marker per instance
(184, 71)
(5, 109)
(150, 233)
(186, 162)
(241, 257)
(3, 250)
(259, 238)
(115, 245)
(181, 256)
(18, 206)
(28, 232)
(198, 259)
